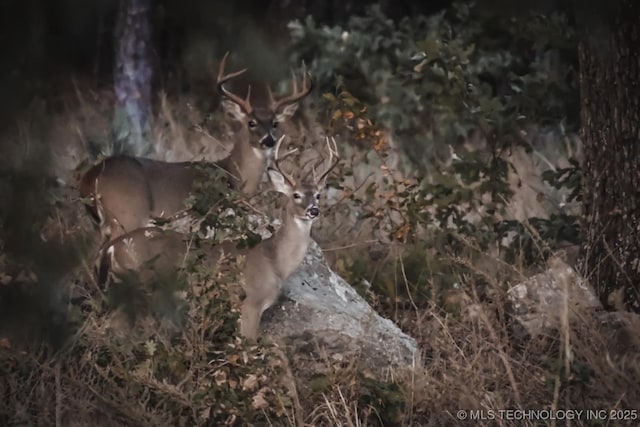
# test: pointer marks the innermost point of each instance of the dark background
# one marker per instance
(46, 42)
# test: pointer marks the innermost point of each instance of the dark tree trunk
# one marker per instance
(610, 115)
(132, 79)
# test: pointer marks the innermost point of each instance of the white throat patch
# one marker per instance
(303, 224)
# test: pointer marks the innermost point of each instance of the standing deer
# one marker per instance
(127, 192)
(267, 265)
(273, 260)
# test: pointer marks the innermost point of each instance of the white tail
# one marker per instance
(273, 260)
(125, 193)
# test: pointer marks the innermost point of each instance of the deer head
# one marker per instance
(303, 196)
(262, 123)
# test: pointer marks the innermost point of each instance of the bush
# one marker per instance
(456, 92)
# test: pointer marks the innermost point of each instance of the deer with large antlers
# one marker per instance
(273, 260)
(267, 265)
(126, 193)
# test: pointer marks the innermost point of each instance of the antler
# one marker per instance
(333, 152)
(244, 103)
(307, 85)
(276, 161)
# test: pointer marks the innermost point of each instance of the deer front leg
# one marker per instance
(250, 320)
(257, 301)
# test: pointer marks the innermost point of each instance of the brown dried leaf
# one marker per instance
(220, 377)
(259, 401)
(250, 383)
(205, 414)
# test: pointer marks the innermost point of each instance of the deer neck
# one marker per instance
(290, 243)
(245, 164)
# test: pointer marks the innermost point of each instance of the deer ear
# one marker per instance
(287, 112)
(233, 110)
(279, 182)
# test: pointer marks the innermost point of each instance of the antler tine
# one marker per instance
(277, 160)
(295, 81)
(244, 103)
(332, 146)
(296, 95)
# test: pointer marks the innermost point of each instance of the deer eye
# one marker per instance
(275, 124)
(297, 196)
(317, 196)
(252, 124)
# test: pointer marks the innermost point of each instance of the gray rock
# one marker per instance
(538, 303)
(321, 312)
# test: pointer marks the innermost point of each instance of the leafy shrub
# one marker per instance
(461, 82)
(434, 79)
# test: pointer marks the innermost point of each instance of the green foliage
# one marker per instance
(218, 207)
(570, 178)
(434, 79)
(457, 91)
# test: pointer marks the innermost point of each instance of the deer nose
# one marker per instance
(268, 141)
(313, 212)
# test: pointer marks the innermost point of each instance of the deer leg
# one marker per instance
(254, 305)
(270, 297)
(250, 319)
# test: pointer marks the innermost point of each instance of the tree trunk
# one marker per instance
(610, 115)
(132, 79)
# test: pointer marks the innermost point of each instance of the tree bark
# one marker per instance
(132, 79)
(610, 115)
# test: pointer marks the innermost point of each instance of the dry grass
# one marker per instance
(111, 372)
(473, 364)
